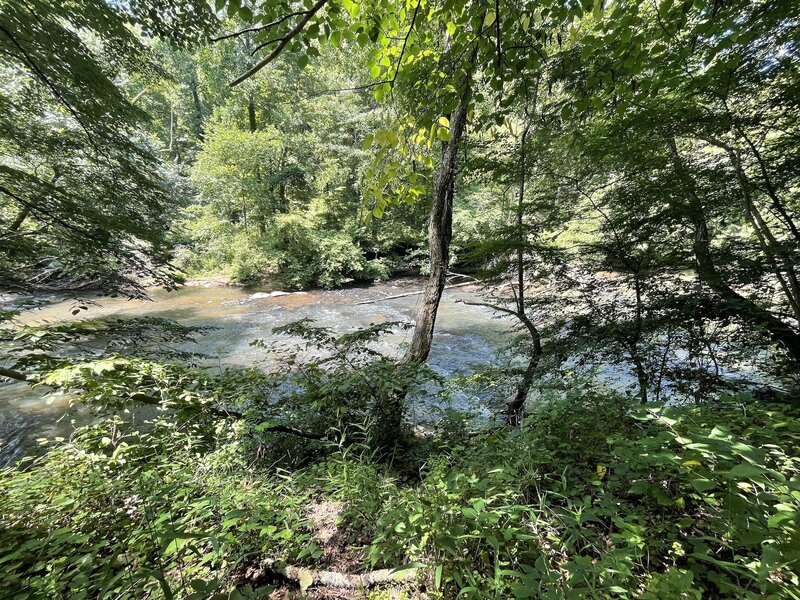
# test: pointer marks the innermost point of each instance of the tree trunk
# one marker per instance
(772, 192)
(780, 265)
(440, 227)
(733, 304)
(516, 407)
(198, 110)
(638, 363)
(251, 114)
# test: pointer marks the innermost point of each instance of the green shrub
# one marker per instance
(590, 499)
(674, 503)
(308, 256)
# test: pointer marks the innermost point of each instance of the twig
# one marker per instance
(259, 27)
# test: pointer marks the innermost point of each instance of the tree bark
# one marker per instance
(251, 114)
(440, 226)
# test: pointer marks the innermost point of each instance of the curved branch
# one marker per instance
(284, 41)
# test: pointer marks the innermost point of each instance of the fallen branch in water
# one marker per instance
(447, 287)
(12, 374)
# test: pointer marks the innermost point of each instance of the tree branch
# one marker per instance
(259, 27)
(405, 42)
(284, 41)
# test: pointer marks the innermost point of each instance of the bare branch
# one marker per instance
(257, 28)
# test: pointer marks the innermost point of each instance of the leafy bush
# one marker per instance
(674, 503)
(135, 515)
(690, 502)
(295, 251)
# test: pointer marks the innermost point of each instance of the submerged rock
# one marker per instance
(262, 295)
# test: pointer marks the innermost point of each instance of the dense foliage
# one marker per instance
(621, 179)
(680, 503)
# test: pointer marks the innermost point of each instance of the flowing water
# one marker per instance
(466, 337)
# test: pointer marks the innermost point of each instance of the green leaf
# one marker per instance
(302, 61)
(407, 566)
(747, 471)
(597, 11)
(701, 484)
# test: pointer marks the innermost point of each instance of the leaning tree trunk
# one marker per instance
(780, 264)
(440, 227)
(733, 304)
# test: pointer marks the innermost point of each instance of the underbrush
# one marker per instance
(591, 498)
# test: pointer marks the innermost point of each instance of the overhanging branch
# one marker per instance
(282, 43)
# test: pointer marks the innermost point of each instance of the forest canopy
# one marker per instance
(617, 182)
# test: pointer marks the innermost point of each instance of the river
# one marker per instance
(466, 337)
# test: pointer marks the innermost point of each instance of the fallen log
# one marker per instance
(306, 578)
(12, 374)
(447, 287)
